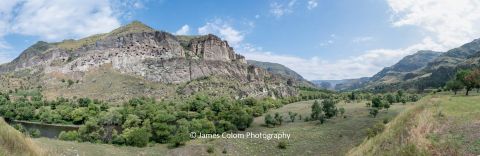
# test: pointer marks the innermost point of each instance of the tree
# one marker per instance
(131, 121)
(390, 99)
(329, 108)
(473, 79)
(90, 131)
(465, 77)
(454, 85)
(278, 118)
(292, 116)
(316, 110)
(342, 111)
(374, 111)
(377, 102)
(68, 135)
(181, 133)
(136, 136)
(269, 121)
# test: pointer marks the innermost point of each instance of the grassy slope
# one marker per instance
(12, 142)
(308, 138)
(437, 125)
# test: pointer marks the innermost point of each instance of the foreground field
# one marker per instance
(335, 137)
(437, 125)
(12, 142)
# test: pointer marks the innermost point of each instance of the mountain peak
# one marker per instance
(133, 27)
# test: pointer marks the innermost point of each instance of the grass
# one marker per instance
(12, 142)
(439, 124)
(133, 27)
(335, 137)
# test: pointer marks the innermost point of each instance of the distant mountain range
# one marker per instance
(422, 70)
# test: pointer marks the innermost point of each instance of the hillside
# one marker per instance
(436, 125)
(12, 142)
(406, 65)
(136, 60)
(283, 71)
(276, 68)
(426, 69)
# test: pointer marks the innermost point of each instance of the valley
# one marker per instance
(136, 90)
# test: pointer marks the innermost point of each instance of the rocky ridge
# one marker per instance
(155, 56)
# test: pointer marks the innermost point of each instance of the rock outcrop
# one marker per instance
(155, 56)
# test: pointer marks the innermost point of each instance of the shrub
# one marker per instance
(136, 136)
(269, 121)
(68, 136)
(210, 149)
(34, 133)
(374, 112)
(282, 145)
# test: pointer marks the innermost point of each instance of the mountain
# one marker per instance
(427, 69)
(406, 65)
(136, 60)
(327, 84)
(277, 69)
(283, 71)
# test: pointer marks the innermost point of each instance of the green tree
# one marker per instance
(136, 136)
(269, 121)
(292, 116)
(329, 108)
(181, 133)
(131, 121)
(68, 135)
(278, 118)
(316, 110)
(462, 76)
(454, 85)
(90, 131)
(374, 111)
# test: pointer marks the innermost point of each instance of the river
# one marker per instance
(46, 130)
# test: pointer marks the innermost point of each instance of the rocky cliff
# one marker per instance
(152, 56)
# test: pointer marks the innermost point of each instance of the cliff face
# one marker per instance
(140, 51)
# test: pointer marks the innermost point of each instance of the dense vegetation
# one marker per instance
(143, 120)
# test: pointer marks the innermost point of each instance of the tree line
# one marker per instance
(141, 121)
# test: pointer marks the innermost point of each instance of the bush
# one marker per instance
(68, 136)
(282, 145)
(136, 136)
(269, 121)
(210, 149)
(376, 129)
(34, 133)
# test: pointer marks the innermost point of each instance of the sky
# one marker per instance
(319, 39)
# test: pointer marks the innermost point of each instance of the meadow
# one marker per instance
(335, 137)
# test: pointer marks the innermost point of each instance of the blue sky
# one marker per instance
(320, 39)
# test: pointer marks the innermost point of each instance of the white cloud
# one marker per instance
(450, 23)
(280, 9)
(315, 68)
(311, 4)
(224, 30)
(53, 20)
(362, 39)
(184, 30)
(330, 41)
(445, 24)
